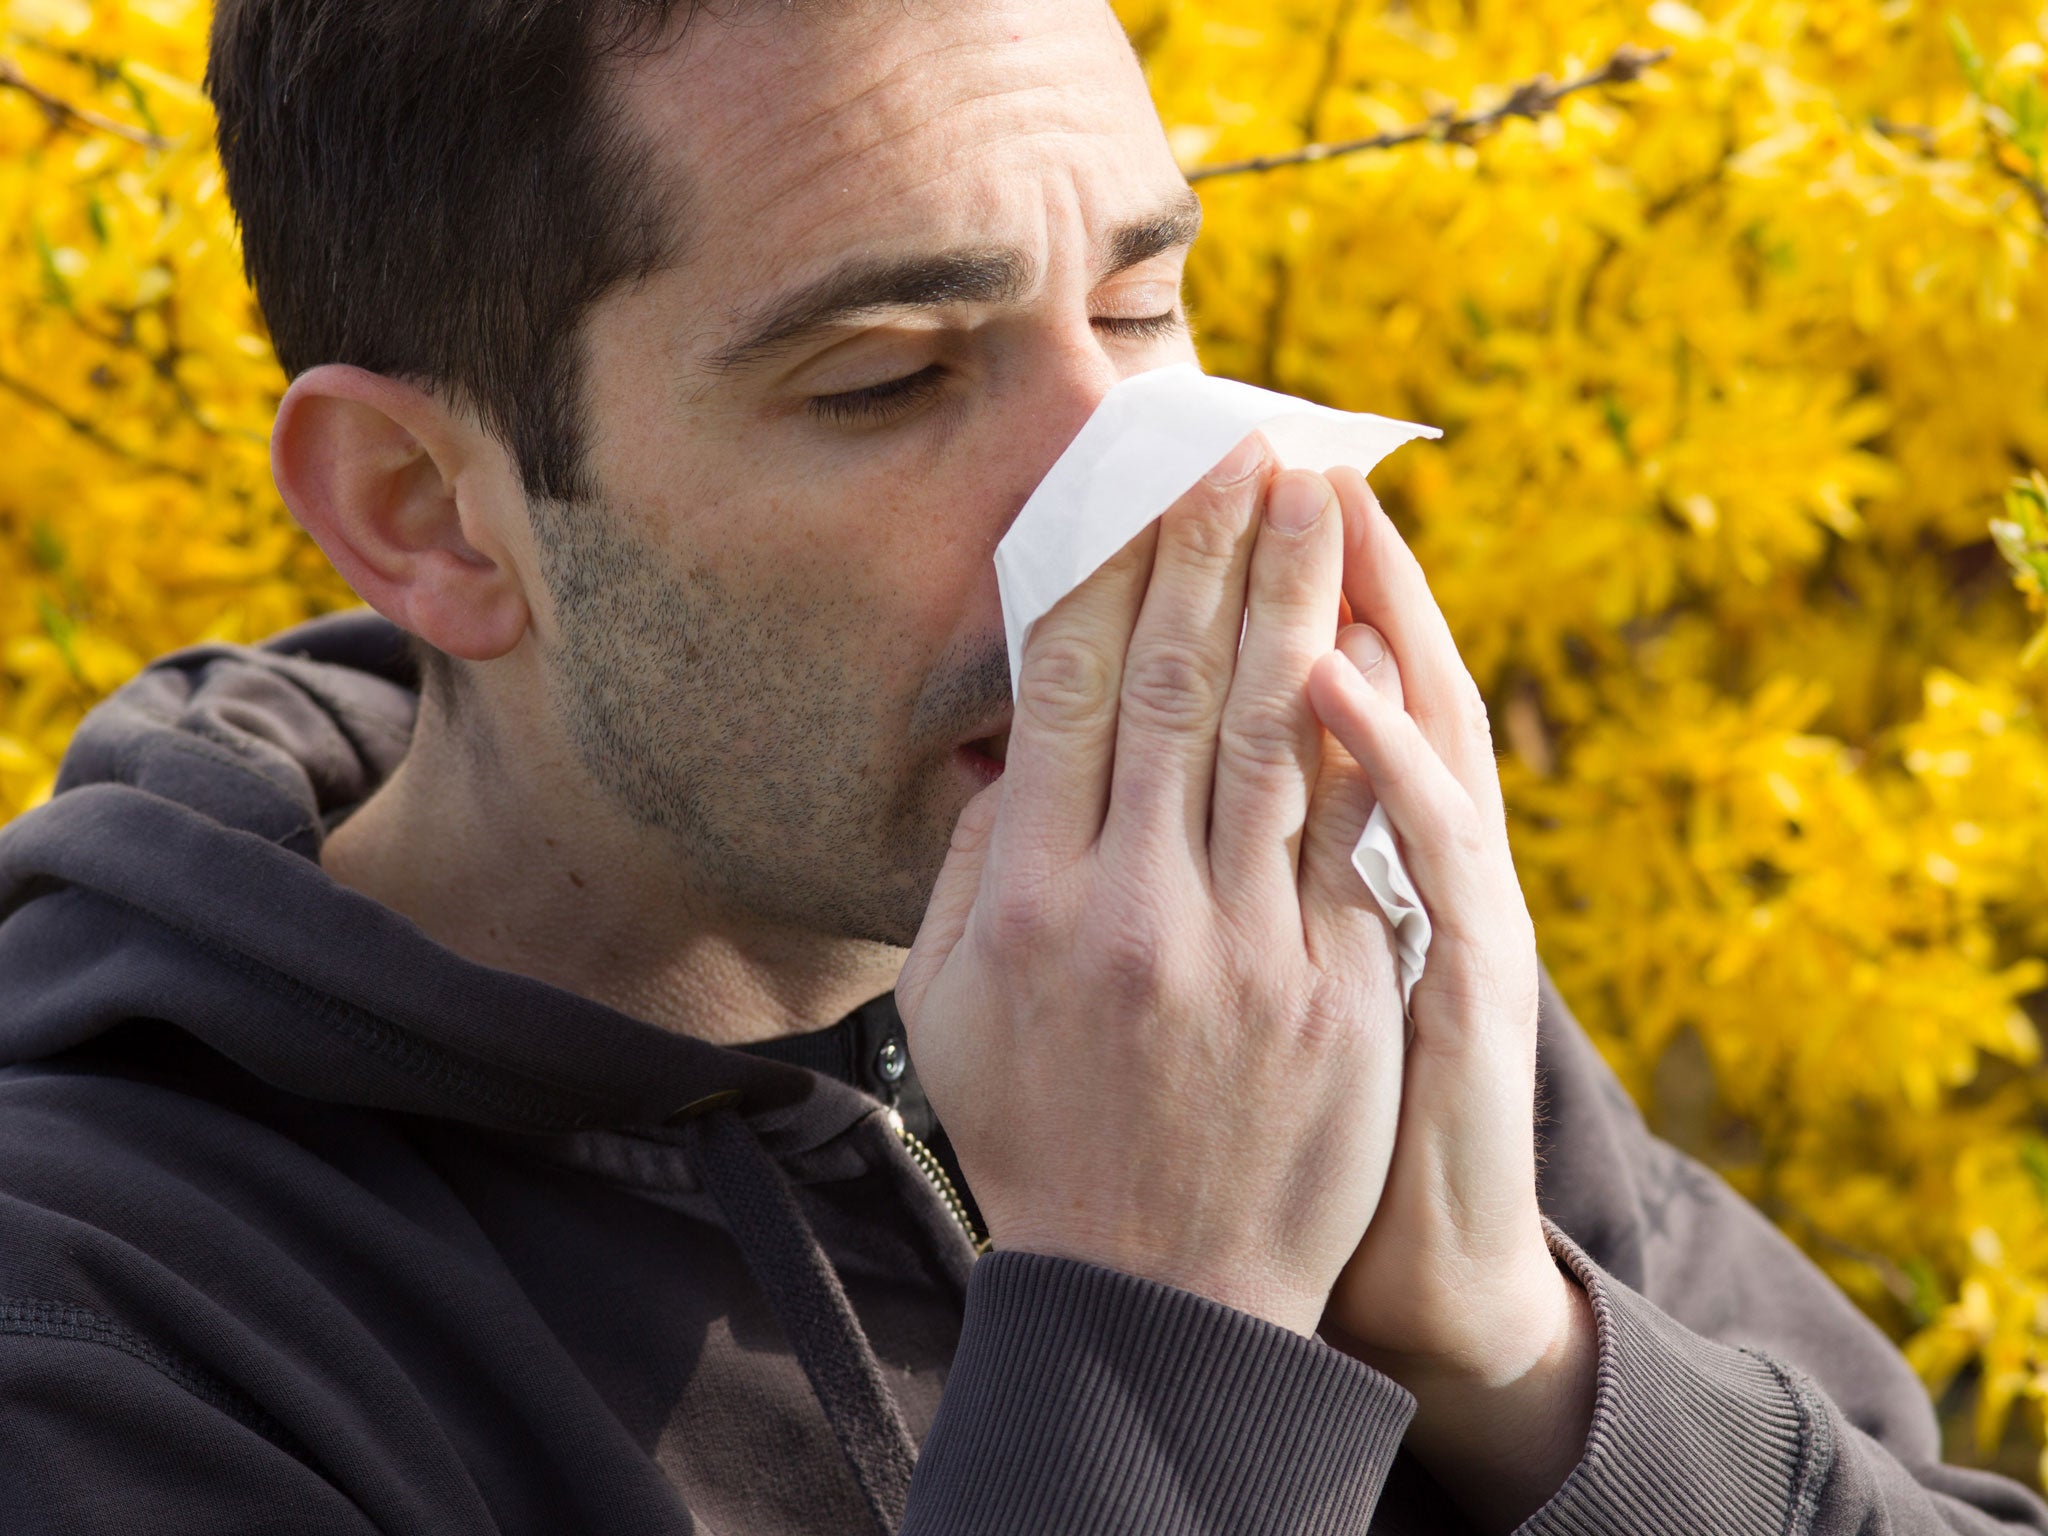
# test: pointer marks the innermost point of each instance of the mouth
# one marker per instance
(988, 753)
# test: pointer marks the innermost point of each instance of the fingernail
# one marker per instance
(1296, 501)
(1362, 647)
(1237, 463)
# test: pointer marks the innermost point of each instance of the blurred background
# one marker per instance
(1735, 317)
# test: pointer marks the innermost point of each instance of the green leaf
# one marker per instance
(140, 98)
(2011, 539)
(1927, 1299)
(2034, 1158)
(2026, 503)
(1967, 56)
(45, 548)
(1617, 423)
(58, 290)
(58, 625)
(2030, 121)
(2022, 539)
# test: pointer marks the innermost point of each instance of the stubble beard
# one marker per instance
(732, 727)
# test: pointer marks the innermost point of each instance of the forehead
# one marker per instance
(805, 136)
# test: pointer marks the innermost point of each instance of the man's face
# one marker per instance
(919, 242)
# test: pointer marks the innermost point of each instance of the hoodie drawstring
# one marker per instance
(789, 1265)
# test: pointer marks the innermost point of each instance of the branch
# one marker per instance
(1918, 133)
(2034, 188)
(1924, 137)
(1531, 99)
(62, 113)
(27, 392)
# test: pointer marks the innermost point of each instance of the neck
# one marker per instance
(463, 840)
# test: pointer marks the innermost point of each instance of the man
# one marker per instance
(480, 1104)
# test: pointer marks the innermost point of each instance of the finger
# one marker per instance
(1387, 589)
(1334, 898)
(1269, 744)
(1183, 651)
(952, 899)
(1442, 834)
(1063, 734)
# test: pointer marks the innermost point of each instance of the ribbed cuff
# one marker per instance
(1083, 1399)
(1688, 1436)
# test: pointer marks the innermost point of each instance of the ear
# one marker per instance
(412, 501)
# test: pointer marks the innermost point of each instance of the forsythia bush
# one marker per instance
(136, 385)
(1738, 362)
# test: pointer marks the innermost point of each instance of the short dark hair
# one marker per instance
(438, 190)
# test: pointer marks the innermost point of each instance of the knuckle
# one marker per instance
(1287, 575)
(1460, 707)
(1394, 779)
(1130, 958)
(1472, 704)
(1206, 528)
(1266, 733)
(1152, 809)
(1333, 831)
(1066, 681)
(1463, 833)
(1023, 915)
(1326, 1020)
(1168, 684)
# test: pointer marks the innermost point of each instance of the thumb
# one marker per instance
(1366, 649)
(945, 915)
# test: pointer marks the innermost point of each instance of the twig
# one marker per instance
(1919, 133)
(1889, 1272)
(1531, 99)
(25, 391)
(2034, 188)
(61, 112)
(1924, 137)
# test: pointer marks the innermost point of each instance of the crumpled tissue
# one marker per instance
(1149, 440)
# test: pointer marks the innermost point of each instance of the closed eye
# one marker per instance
(877, 402)
(894, 397)
(1142, 327)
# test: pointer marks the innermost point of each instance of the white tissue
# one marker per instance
(1152, 437)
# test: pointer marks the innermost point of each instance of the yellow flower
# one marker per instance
(1736, 365)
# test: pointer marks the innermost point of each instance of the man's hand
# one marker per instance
(1152, 1002)
(1454, 1292)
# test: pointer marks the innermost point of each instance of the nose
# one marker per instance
(1061, 395)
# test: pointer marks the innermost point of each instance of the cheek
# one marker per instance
(817, 624)
(900, 563)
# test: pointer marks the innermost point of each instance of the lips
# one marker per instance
(994, 747)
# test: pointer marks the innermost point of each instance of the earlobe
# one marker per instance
(410, 501)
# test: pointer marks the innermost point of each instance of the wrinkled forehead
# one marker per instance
(806, 135)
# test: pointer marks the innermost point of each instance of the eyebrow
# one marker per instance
(986, 275)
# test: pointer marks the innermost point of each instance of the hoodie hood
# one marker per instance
(174, 877)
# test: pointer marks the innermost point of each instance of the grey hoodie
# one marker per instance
(308, 1225)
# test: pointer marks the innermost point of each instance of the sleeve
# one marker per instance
(1086, 1400)
(1739, 1389)
(97, 1442)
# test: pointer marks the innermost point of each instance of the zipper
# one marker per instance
(935, 1175)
